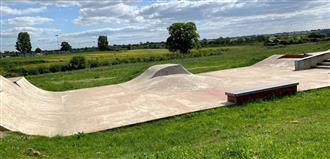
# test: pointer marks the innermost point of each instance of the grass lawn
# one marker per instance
(236, 56)
(290, 127)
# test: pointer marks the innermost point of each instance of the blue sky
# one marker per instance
(80, 22)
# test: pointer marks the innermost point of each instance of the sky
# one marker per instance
(50, 22)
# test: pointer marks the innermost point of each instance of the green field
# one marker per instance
(9, 66)
(235, 56)
(291, 127)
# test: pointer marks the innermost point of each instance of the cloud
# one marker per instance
(66, 3)
(13, 32)
(166, 12)
(12, 11)
(187, 10)
(26, 21)
(103, 31)
(105, 12)
(133, 21)
(127, 12)
(58, 3)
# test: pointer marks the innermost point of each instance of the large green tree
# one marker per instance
(183, 37)
(65, 46)
(23, 43)
(102, 42)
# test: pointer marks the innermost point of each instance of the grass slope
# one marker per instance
(236, 56)
(291, 127)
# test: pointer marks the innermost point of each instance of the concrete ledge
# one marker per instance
(247, 95)
(311, 61)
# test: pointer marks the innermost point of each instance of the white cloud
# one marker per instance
(66, 3)
(58, 3)
(13, 32)
(12, 11)
(134, 21)
(103, 31)
(27, 21)
(98, 20)
(122, 12)
(105, 12)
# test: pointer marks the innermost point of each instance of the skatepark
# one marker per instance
(161, 91)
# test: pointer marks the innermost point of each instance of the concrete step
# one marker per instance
(327, 60)
(324, 63)
(322, 66)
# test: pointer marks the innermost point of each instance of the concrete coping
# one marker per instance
(261, 89)
(314, 55)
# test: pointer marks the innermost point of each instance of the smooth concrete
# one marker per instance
(162, 91)
(311, 61)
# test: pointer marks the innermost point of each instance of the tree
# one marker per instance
(314, 35)
(102, 42)
(77, 62)
(204, 43)
(23, 43)
(272, 41)
(65, 46)
(261, 38)
(183, 37)
(38, 50)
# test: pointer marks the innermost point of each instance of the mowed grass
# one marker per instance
(290, 127)
(236, 56)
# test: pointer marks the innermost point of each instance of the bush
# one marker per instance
(93, 63)
(32, 71)
(42, 69)
(56, 68)
(77, 62)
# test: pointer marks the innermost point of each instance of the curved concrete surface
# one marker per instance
(161, 91)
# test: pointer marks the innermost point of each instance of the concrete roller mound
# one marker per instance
(161, 70)
(161, 91)
(170, 77)
(31, 110)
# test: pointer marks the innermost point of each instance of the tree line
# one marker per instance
(182, 38)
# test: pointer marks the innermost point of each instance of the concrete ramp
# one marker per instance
(23, 111)
(161, 70)
(160, 92)
(25, 85)
(169, 78)
(275, 61)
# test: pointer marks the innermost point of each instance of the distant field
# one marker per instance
(236, 56)
(291, 127)
(8, 66)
